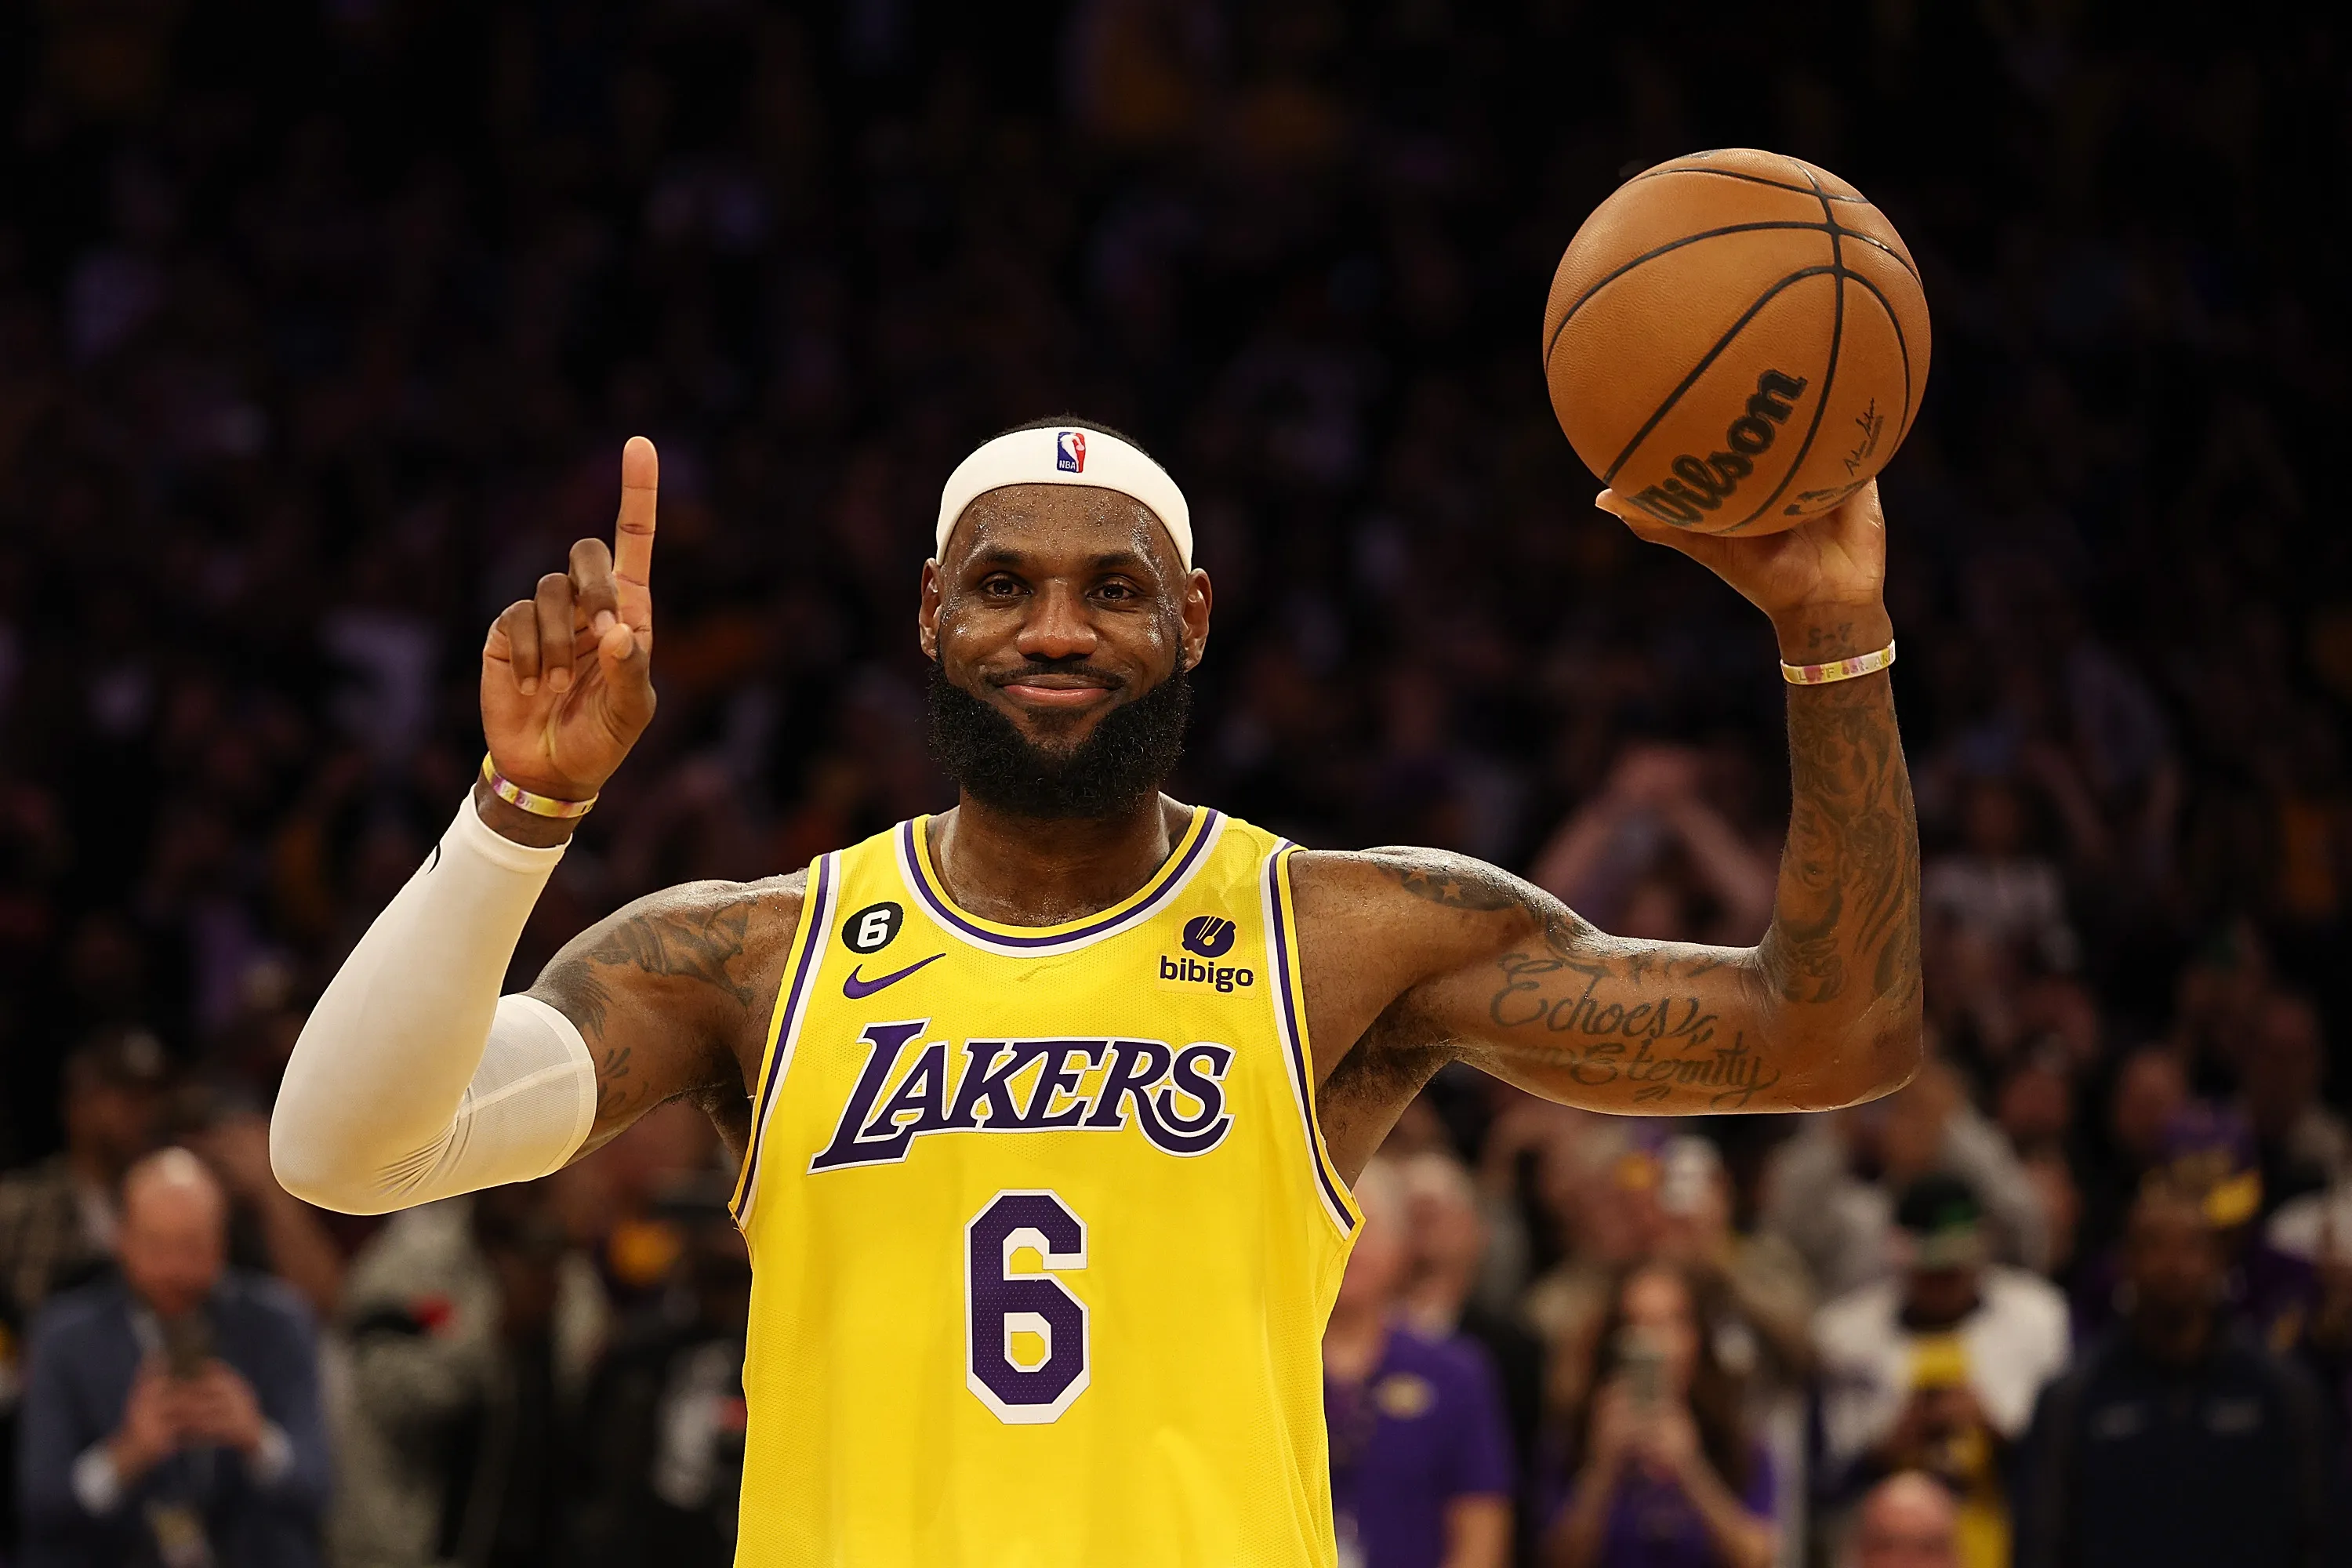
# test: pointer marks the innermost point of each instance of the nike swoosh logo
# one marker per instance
(854, 986)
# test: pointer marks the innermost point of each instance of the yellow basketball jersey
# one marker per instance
(1043, 1232)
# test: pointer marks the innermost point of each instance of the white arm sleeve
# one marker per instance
(413, 1078)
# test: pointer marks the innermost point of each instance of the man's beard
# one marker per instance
(1129, 754)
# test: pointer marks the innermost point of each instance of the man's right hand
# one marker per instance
(150, 1432)
(567, 674)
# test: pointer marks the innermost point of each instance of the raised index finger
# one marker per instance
(633, 535)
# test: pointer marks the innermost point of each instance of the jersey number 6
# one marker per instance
(999, 1304)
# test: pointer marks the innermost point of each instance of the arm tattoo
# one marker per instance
(1848, 908)
(1619, 1024)
(688, 943)
(1617, 1019)
(1459, 882)
(683, 936)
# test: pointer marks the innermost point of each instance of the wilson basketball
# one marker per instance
(1736, 341)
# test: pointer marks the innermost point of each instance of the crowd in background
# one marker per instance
(321, 322)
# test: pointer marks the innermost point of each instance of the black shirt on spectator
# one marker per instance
(2138, 1463)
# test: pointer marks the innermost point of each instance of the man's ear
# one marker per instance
(1199, 597)
(926, 614)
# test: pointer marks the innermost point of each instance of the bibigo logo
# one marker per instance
(1211, 937)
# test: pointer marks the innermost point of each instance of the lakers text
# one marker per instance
(1175, 1098)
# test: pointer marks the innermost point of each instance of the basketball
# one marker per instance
(1736, 341)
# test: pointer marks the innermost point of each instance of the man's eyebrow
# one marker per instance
(1108, 561)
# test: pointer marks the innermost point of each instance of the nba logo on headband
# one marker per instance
(1042, 455)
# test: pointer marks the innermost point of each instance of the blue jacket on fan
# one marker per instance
(85, 1351)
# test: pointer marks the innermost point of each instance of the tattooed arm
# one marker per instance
(672, 994)
(1415, 957)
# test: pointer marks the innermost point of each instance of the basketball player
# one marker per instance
(1047, 1105)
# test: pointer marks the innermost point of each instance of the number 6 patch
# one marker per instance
(999, 1304)
(869, 930)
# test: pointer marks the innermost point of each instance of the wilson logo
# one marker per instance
(1700, 485)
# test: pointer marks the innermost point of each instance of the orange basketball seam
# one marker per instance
(1754, 179)
(1900, 259)
(1828, 376)
(1700, 369)
(1902, 347)
(1648, 256)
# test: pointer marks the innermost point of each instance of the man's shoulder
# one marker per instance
(1433, 903)
(755, 916)
(1435, 876)
(778, 896)
(262, 1300)
(50, 1181)
(1452, 1356)
(75, 1315)
(1863, 1316)
(2023, 1295)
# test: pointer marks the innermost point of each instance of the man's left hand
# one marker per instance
(218, 1406)
(1823, 582)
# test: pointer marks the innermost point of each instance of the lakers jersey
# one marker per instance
(1043, 1233)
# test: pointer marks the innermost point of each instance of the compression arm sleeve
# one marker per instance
(413, 1078)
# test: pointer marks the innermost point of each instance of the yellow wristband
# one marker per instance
(521, 799)
(1837, 669)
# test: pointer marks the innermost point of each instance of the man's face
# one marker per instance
(1940, 1295)
(1054, 608)
(2171, 1258)
(172, 1244)
(113, 1123)
(1908, 1531)
(1383, 1255)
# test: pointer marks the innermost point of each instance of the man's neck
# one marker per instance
(1434, 1306)
(1021, 871)
(91, 1168)
(2178, 1342)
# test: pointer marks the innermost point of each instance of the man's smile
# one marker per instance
(1063, 689)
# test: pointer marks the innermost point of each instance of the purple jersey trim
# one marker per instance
(817, 912)
(1294, 1037)
(1171, 876)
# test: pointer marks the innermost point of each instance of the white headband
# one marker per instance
(1073, 456)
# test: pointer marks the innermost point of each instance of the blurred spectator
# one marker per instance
(1995, 890)
(1668, 1475)
(1756, 1310)
(2178, 1438)
(1649, 857)
(1833, 1186)
(172, 1418)
(288, 1235)
(1907, 1521)
(664, 1419)
(58, 1220)
(1598, 1181)
(1936, 1369)
(474, 1326)
(2210, 1151)
(2301, 1145)
(2150, 1090)
(1448, 1249)
(1421, 1460)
